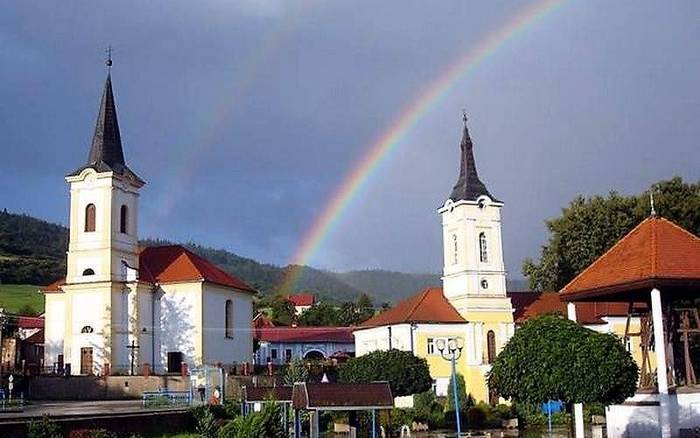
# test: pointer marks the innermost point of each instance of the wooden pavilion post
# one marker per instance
(578, 407)
(661, 365)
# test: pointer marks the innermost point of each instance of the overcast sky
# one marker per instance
(245, 116)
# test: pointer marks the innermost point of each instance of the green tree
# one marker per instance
(465, 401)
(552, 358)
(319, 315)
(282, 310)
(588, 227)
(406, 373)
(296, 372)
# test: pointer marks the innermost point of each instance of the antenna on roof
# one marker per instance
(651, 201)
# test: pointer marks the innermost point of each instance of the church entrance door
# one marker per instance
(86, 360)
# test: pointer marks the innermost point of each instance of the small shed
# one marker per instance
(318, 397)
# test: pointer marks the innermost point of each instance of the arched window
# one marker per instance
(483, 251)
(229, 319)
(90, 218)
(88, 271)
(124, 219)
(491, 346)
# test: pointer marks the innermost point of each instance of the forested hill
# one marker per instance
(33, 251)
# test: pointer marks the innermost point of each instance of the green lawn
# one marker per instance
(13, 297)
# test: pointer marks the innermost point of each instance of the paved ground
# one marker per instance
(70, 408)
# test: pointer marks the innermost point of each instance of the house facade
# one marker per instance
(121, 306)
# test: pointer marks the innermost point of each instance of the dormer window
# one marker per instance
(90, 218)
(483, 251)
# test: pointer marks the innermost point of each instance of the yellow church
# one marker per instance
(472, 306)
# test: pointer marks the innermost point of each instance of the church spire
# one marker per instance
(106, 153)
(469, 187)
(106, 142)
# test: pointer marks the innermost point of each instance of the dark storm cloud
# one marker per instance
(244, 116)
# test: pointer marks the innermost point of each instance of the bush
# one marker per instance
(266, 423)
(406, 373)
(476, 416)
(205, 421)
(44, 428)
(428, 410)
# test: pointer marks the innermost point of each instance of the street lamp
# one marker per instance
(451, 351)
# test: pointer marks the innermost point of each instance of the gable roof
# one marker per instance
(654, 252)
(54, 287)
(174, 263)
(340, 396)
(428, 306)
(302, 299)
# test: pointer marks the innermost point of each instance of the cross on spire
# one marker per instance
(108, 61)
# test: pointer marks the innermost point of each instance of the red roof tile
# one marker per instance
(656, 249)
(429, 306)
(54, 287)
(30, 322)
(302, 299)
(305, 334)
(337, 395)
(531, 304)
(174, 263)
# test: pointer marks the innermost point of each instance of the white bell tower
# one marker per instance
(103, 206)
(474, 276)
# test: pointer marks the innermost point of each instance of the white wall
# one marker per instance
(180, 317)
(54, 327)
(216, 346)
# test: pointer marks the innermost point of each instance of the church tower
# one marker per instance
(98, 310)
(474, 276)
(103, 205)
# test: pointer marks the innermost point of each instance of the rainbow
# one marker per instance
(388, 141)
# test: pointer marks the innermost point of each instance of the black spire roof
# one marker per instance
(106, 154)
(469, 187)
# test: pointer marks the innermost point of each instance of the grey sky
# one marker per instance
(243, 117)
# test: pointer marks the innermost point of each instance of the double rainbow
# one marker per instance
(380, 149)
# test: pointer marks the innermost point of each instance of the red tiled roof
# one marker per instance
(30, 322)
(305, 334)
(429, 306)
(530, 304)
(337, 395)
(302, 299)
(54, 287)
(174, 263)
(655, 250)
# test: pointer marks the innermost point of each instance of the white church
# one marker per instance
(120, 305)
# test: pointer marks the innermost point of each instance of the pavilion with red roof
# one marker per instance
(658, 264)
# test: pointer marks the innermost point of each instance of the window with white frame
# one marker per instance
(431, 346)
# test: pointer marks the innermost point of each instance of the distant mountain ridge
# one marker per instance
(33, 251)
